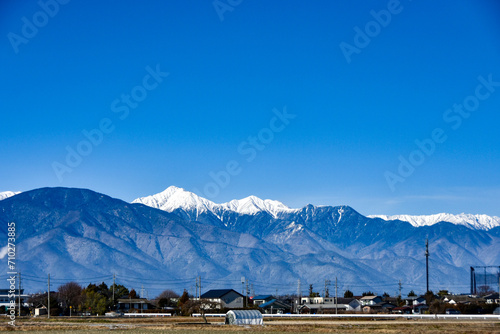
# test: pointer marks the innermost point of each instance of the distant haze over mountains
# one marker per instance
(78, 234)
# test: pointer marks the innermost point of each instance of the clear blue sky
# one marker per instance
(228, 68)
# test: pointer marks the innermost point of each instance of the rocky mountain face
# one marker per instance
(78, 234)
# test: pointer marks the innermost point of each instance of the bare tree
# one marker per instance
(168, 294)
(199, 306)
(165, 298)
(69, 294)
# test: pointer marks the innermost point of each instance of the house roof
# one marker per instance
(385, 305)
(345, 300)
(262, 297)
(274, 302)
(218, 293)
(415, 298)
(132, 300)
(491, 296)
(370, 297)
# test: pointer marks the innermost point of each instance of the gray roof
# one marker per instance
(218, 293)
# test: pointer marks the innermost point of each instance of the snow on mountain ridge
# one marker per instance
(477, 222)
(7, 194)
(174, 198)
(177, 198)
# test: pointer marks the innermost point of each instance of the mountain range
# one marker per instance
(166, 240)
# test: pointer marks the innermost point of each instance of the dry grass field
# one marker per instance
(193, 326)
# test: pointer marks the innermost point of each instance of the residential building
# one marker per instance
(226, 298)
(370, 300)
(137, 304)
(317, 305)
(261, 299)
(275, 306)
(415, 300)
(5, 299)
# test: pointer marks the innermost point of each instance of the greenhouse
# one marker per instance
(244, 317)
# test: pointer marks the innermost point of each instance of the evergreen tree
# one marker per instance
(132, 294)
(348, 294)
(184, 298)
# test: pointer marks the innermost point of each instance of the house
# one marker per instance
(420, 308)
(5, 299)
(402, 310)
(275, 306)
(370, 300)
(492, 298)
(463, 299)
(382, 307)
(226, 298)
(414, 300)
(129, 304)
(318, 305)
(261, 299)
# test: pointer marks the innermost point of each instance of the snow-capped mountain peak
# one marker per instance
(253, 205)
(174, 198)
(177, 198)
(7, 194)
(476, 222)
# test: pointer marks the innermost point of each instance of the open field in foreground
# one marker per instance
(193, 326)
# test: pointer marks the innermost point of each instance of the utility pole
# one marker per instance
(19, 293)
(299, 294)
(336, 299)
(327, 284)
(243, 288)
(427, 263)
(472, 281)
(48, 299)
(485, 285)
(196, 289)
(113, 302)
(247, 292)
(400, 286)
(200, 286)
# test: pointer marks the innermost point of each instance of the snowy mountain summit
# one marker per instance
(7, 194)
(174, 198)
(475, 222)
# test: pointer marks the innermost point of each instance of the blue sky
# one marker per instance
(233, 68)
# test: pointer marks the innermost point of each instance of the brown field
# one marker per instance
(185, 325)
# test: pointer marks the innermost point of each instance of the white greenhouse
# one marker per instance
(244, 317)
